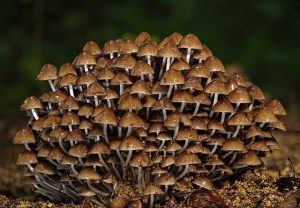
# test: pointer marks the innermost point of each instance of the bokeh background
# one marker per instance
(261, 38)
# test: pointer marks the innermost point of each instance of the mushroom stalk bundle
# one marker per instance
(146, 114)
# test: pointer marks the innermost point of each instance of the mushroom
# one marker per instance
(190, 42)
(49, 73)
(239, 120)
(152, 190)
(172, 78)
(166, 180)
(24, 136)
(203, 182)
(85, 61)
(184, 98)
(32, 104)
(100, 148)
(80, 151)
(106, 118)
(92, 48)
(184, 160)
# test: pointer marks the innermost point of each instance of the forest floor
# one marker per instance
(276, 185)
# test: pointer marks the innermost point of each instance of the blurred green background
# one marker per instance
(260, 36)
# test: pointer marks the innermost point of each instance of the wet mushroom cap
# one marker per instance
(24, 136)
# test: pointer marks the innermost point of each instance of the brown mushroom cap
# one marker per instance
(216, 86)
(277, 108)
(140, 160)
(132, 120)
(187, 159)
(169, 50)
(69, 104)
(152, 189)
(99, 147)
(131, 143)
(265, 114)
(190, 41)
(223, 106)
(107, 116)
(199, 71)
(65, 69)
(166, 179)
(92, 48)
(85, 58)
(203, 182)
(172, 77)
(31, 102)
(24, 136)
(27, 157)
(89, 174)
(239, 119)
(45, 168)
(249, 159)
(79, 150)
(129, 102)
(214, 64)
(239, 95)
(234, 145)
(48, 72)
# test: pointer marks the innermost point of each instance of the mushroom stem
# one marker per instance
(251, 142)
(236, 131)
(121, 89)
(34, 113)
(186, 143)
(176, 131)
(162, 67)
(223, 117)
(161, 145)
(214, 149)
(96, 100)
(80, 161)
(233, 158)
(140, 188)
(51, 85)
(119, 132)
(70, 128)
(61, 145)
(237, 106)
(97, 191)
(262, 125)
(27, 146)
(183, 173)
(149, 59)
(86, 69)
(116, 170)
(169, 91)
(129, 130)
(227, 154)
(71, 90)
(105, 133)
(183, 104)
(212, 168)
(164, 111)
(151, 200)
(73, 169)
(128, 158)
(188, 55)
(168, 63)
(103, 162)
(147, 112)
(219, 177)
(196, 109)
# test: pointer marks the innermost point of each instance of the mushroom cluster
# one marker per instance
(164, 117)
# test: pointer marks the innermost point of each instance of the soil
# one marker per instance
(276, 185)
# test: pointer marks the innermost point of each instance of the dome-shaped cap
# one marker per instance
(234, 145)
(67, 80)
(99, 147)
(239, 95)
(187, 159)
(214, 64)
(31, 102)
(239, 119)
(148, 49)
(88, 174)
(79, 150)
(172, 77)
(140, 160)
(166, 179)
(85, 59)
(26, 157)
(131, 143)
(45, 168)
(24, 136)
(265, 115)
(250, 159)
(217, 87)
(152, 189)
(203, 182)
(132, 120)
(107, 116)
(277, 107)
(190, 41)
(65, 69)
(92, 48)
(48, 72)
(169, 50)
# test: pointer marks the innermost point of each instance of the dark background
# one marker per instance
(260, 37)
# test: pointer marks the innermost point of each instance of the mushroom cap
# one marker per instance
(105, 74)
(240, 79)
(75, 135)
(24, 136)
(214, 64)
(31, 102)
(85, 58)
(87, 78)
(55, 154)
(51, 121)
(202, 54)
(44, 150)
(203, 182)
(163, 104)
(239, 119)
(214, 160)
(140, 87)
(200, 71)
(153, 190)
(130, 119)
(92, 48)
(107, 117)
(186, 158)
(128, 47)
(167, 160)
(120, 78)
(78, 150)
(187, 134)
(223, 107)
(190, 41)
(131, 143)
(141, 38)
(45, 168)
(85, 110)
(27, 157)
(140, 160)
(70, 118)
(87, 193)
(95, 89)
(239, 95)
(216, 87)
(57, 97)
(234, 145)
(265, 115)
(141, 68)
(249, 159)
(69, 160)
(88, 174)
(99, 148)
(110, 47)
(69, 103)
(38, 124)
(215, 124)
(277, 108)
(202, 98)
(68, 80)
(172, 77)
(169, 50)
(48, 72)
(125, 62)
(148, 49)
(65, 69)
(254, 131)
(166, 179)
(256, 93)
(129, 102)
(93, 161)
(180, 65)
(182, 97)
(260, 146)
(192, 83)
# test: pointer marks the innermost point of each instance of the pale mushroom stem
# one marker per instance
(213, 132)
(105, 133)
(188, 55)
(111, 55)
(215, 98)
(233, 158)
(176, 131)
(73, 169)
(27, 146)
(227, 154)
(86, 69)
(56, 164)
(34, 113)
(262, 125)
(96, 100)
(116, 170)
(169, 91)
(168, 63)
(212, 168)
(196, 109)
(219, 177)
(121, 89)
(164, 111)
(149, 59)
(119, 132)
(70, 128)
(103, 162)
(129, 130)
(51, 85)
(140, 188)
(49, 106)
(214, 149)
(80, 161)
(128, 158)
(151, 200)
(223, 117)
(251, 105)
(237, 106)
(147, 112)
(162, 67)
(186, 144)
(166, 188)
(61, 145)
(183, 104)
(251, 142)
(183, 173)
(71, 90)
(97, 191)
(236, 131)
(161, 145)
